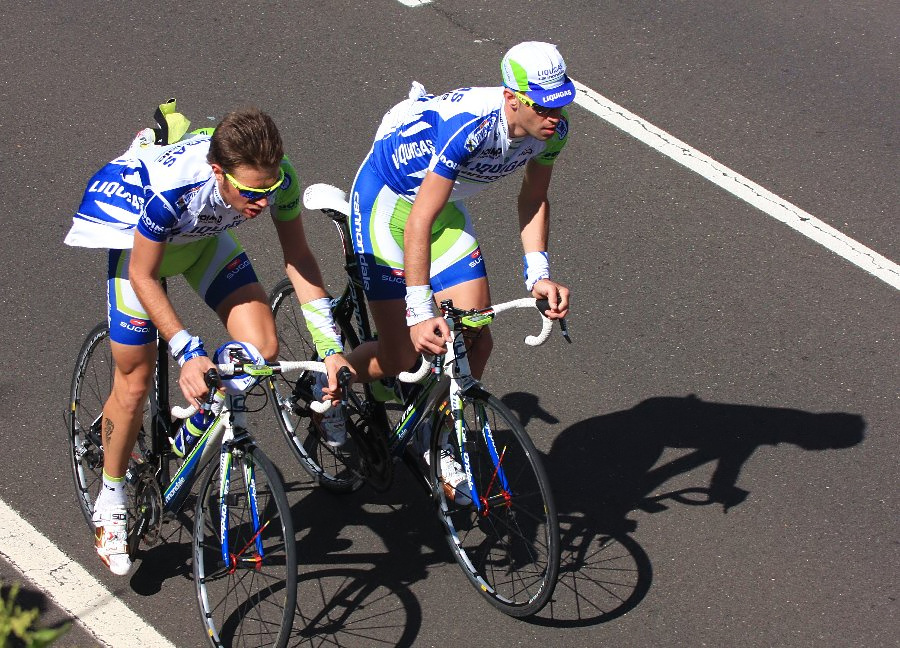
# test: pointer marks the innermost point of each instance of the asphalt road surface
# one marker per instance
(722, 435)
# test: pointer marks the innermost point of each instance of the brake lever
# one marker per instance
(565, 329)
(542, 305)
(213, 381)
(344, 378)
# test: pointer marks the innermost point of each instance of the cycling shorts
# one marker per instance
(214, 267)
(377, 222)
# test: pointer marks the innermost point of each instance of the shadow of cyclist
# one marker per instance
(617, 452)
(605, 467)
(168, 557)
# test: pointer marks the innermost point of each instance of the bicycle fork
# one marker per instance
(226, 465)
(460, 383)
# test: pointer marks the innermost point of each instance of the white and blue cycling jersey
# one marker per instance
(168, 194)
(461, 135)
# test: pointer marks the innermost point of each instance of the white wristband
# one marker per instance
(178, 342)
(537, 267)
(419, 304)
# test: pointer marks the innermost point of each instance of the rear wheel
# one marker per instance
(504, 534)
(91, 386)
(249, 598)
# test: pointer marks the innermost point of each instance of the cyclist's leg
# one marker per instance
(458, 272)
(133, 348)
(377, 222)
(124, 408)
(133, 344)
(248, 318)
(393, 352)
(224, 277)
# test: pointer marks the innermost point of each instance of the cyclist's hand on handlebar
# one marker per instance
(192, 380)
(556, 294)
(334, 363)
(430, 336)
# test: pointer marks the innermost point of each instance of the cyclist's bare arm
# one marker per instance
(143, 273)
(303, 271)
(534, 206)
(534, 225)
(428, 336)
(299, 262)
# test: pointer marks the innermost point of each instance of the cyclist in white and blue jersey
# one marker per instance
(168, 210)
(413, 236)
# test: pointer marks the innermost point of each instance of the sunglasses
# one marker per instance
(542, 111)
(253, 193)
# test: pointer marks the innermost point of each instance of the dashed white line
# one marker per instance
(70, 585)
(739, 186)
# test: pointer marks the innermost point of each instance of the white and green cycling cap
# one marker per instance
(538, 71)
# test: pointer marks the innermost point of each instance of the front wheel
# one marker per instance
(364, 457)
(503, 532)
(333, 468)
(247, 591)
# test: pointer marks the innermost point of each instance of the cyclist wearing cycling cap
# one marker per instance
(414, 238)
(166, 210)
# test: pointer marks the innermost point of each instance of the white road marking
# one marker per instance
(71, 586)
(736, 184)
(414, 3)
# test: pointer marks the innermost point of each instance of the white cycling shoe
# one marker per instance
(456, 485)
(111, 539)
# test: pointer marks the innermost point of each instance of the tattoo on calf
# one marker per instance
(108, 431)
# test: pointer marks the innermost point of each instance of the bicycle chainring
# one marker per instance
(376, 464)
(148, 510)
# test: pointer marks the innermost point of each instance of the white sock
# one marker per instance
(112, 493)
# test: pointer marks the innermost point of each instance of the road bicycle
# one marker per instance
(501, 525)
(244, 561)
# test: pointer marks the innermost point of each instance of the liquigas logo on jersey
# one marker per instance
(410, 150)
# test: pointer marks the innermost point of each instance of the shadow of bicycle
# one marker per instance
(349, 592)
(605, 467)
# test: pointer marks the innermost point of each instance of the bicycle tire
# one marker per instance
(251, 601)
(509, 550)
(364, 457)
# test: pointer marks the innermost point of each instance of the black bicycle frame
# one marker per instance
(352, 303)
